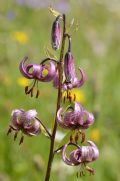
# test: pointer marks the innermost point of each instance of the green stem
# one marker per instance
(59, 97)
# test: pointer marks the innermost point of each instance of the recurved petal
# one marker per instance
(75, 156)
(78, 83)
(15, 116)
(24, 69)
(64, 157)
(60, 119)
(89, 119)
(30, 114)
(95, 150)
(33, 129)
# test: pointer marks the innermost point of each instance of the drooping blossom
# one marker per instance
(56, 34)
(75, 117)
(81, 155)
(71, 80)
(24, 121)
(43, 72)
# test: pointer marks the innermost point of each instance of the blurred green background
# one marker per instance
(25, 29)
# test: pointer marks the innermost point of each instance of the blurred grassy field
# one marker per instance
(25, 29)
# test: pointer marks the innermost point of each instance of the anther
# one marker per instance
(21, 140)
(9, 131)
(38, 93)
(71, 138)
(77, 174)
(32, 90)
(74, 98)
(76, 137)
(15, 136)
(26, 90)
(64, 99)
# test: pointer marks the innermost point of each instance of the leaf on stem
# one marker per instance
(49, 53)
(54, 12)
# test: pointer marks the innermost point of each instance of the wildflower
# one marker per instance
(81, 156)
(56, 34)
(75, 117)
(25, 122)
(71, 80)
(22, 81)
(43, 72)
(95, 135)
(20, 37)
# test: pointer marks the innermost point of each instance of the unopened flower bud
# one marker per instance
(56, 34)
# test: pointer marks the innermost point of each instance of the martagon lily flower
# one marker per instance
(25, 122)
(81, 155)
(71, 80)
(75, 117)
(43, 72)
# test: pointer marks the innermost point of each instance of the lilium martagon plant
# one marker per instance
(75, 118)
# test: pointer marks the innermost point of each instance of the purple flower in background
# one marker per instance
(56, 34)
(43, 72)
(62, 6)
(35, 4)
(10, 15)
(75, 117)
(81, 155)
(25, 122)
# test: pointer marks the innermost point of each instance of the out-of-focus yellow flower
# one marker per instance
(79, 95)
(95, 135)
(20, 37)
(23, 81)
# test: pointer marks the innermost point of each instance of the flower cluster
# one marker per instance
(74, 117)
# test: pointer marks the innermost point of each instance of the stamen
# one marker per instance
(67, 93)
(90, 170)
(81, 173)
(74, 99)
(21, 140)
(26, 90)
(71, 138)
(76, 137)
(83, 136)
(15, 136)
(32, 91)
(9, 131)
(38, 93)
(64, 99)
(77, 174)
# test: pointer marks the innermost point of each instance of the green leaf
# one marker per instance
(54, 12)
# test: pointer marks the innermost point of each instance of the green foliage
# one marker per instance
(96, 48)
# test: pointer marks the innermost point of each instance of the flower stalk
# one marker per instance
(59, 97)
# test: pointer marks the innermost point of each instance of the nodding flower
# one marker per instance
(71, 79)
(75, 117)
(56, 34)
(81, 156)
(44, 72)
(24, 121)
